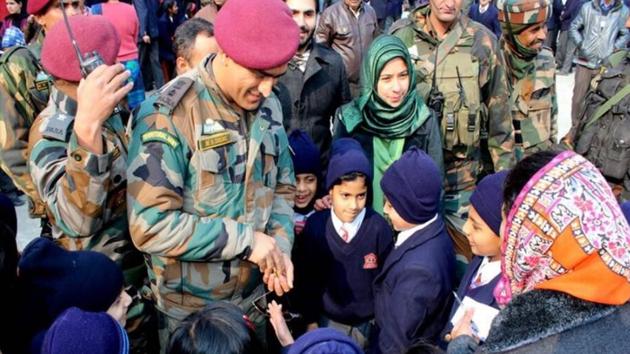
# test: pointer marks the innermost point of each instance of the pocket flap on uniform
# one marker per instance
(212, 160)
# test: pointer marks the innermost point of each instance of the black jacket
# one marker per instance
(313, 97)
(545, 321)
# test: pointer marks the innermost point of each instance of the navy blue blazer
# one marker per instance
(412, 294)
(483, 294)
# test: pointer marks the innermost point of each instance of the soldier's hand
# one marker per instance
(97, 95)
(278, 282)
(266, 254)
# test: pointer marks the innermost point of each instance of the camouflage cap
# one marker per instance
(524, 12)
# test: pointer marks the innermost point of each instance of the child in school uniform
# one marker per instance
(482, 230)
(412, 294)
(307, 167)
(342, 249)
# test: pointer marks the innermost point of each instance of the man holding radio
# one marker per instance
(78, 158)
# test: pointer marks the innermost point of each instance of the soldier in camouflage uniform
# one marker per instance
(470, 77)
(531, 72)
(78, 159)
(24, 94)
(211, 182)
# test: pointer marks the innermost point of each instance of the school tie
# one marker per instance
(344, 234)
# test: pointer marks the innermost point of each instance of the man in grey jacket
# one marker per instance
(598, 30)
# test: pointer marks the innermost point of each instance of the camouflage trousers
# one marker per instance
(463, 253)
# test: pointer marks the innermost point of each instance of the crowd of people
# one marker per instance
(307, 176)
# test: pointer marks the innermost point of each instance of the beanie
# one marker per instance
(55, 279)
(79, 332)
(305, 153)
(347, 156)
(488, 199)
(413, 186)
(257, 34)
(625, 209)
(324, 341)
(92, 33)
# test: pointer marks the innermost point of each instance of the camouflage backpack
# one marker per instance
(603, 134)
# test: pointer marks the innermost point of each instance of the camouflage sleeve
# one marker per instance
(280, 225)
(159, 225)
(324, 32)
(70, 180)
(493, 84)
(16, 116)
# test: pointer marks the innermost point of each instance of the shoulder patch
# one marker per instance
(8, 53)
(161, 137)
(58, 127)
(173, 93)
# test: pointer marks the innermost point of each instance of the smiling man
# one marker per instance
(531, 72)
(476, 124)
(211, 183)
(315, 81)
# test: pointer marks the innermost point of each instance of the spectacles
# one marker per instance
(260, 304)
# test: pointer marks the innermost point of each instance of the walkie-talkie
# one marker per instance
(436, 98)
(88, 62)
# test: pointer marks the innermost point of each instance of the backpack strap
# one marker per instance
(608, 105)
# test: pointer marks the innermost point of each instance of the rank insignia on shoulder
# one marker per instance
(214, 140)
(160, 136)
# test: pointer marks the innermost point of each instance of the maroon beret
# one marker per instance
(35, 6)
(92, 33)
(257, 34)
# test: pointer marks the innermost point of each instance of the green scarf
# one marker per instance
(519, 65)
(369, 111)
(388, 125)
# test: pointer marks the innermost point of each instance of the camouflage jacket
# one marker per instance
(24, 91)
(203, 177)
(534, 105)
(85, 193)
(471, 77)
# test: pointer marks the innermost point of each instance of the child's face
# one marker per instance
(397, 221)
(483, 241)
(348, 199)
(306, 189)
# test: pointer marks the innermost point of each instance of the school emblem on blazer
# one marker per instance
(370, 261)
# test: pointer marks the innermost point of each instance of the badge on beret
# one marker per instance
(161, 137)
(215, 140)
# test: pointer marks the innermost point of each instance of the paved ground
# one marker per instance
(29, 228)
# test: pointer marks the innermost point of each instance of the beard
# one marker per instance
(307, 41)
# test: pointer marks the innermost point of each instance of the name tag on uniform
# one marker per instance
(214, 140)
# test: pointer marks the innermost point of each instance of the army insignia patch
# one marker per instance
(214, 140)
(160, 136)
(370, 261)
(210, 127)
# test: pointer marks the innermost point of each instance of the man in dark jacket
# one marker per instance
(148, 43)
(566, 46)
(315, 83)
(553, 25)
(599, 29)
(348, 27)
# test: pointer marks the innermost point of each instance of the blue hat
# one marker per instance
(347, 156)
(625, 209)
(54, 279)
(324, 341)
(305, 153)
(413, 186)
(78, 332)
(488, 199)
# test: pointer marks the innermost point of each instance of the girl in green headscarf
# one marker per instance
(389, 116)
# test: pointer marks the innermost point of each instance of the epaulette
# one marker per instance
(58, 127)
(8, 53)
(399, 24)
(173, 93)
